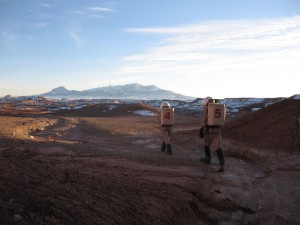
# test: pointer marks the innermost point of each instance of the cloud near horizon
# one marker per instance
(224, 43)
(43, 4)
(214, 39)
(116, 81)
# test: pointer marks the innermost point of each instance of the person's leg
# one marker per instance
(169, 149)
(220, 156)
(163, 147)
(207, 142)
(216, 146)
(221, 159)
(207, 156)
(165, 135)
(166, 139)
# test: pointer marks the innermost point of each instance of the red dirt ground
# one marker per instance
(276, 127)
(92, 166)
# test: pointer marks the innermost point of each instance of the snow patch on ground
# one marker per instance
(111, 107)
(79, 107)
(144, 113)
(147, 143)
(233, 110)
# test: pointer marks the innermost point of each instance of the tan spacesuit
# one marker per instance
(213, 116)
(166, 118)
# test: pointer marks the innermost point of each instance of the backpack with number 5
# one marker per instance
(216, 113)
(167, 117)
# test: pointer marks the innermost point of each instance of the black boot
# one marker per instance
(163, 147)
(169, 149)
(207, 157)
(221, 160)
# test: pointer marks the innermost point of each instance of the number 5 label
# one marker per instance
(217, 113)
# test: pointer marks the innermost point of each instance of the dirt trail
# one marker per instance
(81, 189)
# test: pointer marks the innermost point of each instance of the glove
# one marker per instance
(201, 132)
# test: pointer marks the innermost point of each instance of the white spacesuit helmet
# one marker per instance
(206, 100)
(165, 105)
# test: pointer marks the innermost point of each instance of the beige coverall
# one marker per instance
(165, 131)
(212, 136)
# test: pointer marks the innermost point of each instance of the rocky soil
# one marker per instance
(94, 167)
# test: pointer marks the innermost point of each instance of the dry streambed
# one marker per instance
(22, 127)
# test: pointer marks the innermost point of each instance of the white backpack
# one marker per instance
(167, 117)
(216, 113)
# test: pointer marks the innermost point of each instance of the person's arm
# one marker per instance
(159, 115)
(204, 117)
(203, 122)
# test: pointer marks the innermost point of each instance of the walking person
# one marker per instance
(213, 116)
(166, 118)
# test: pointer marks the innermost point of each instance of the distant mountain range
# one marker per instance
(128, 91)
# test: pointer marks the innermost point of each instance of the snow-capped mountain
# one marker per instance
(128, 91)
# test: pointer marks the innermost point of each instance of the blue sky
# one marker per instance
(232, 48)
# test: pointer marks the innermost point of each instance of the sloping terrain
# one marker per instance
(276, 127)
(103, 165)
